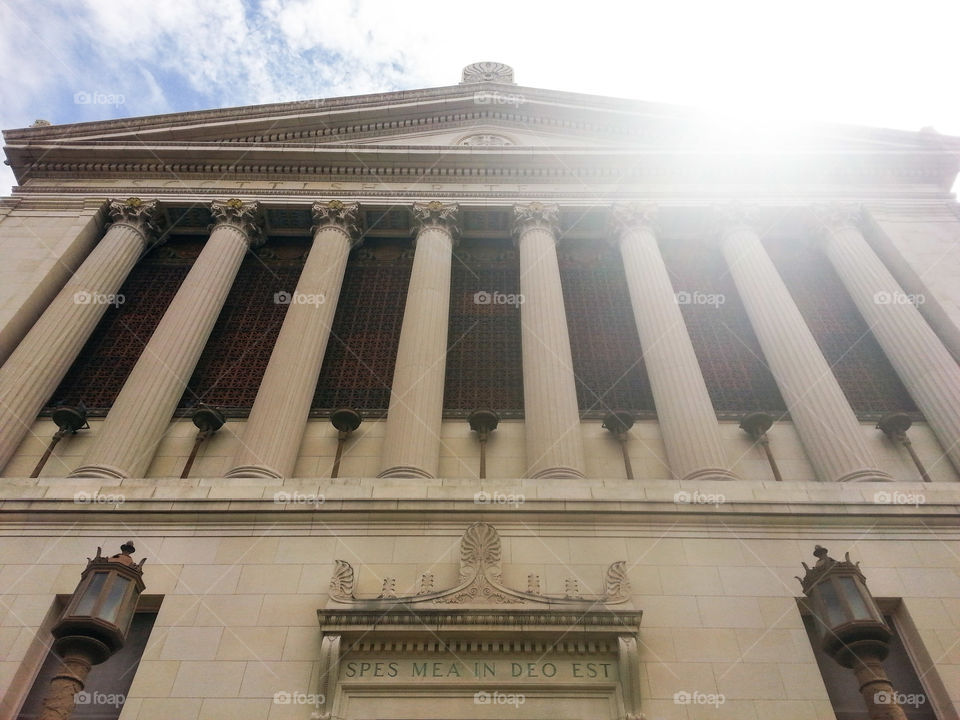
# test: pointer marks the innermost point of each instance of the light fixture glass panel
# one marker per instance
(114, 598)
(830, 602)
(89, 599)
(854, 598)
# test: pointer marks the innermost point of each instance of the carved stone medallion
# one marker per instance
(487, 72)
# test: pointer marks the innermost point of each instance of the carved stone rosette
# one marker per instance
(480, 581)
(340, 215)
(142, 216)
(435, 214)
(535, 215)
(245, 217)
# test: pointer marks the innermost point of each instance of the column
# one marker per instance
(34, 370)
(824, 420)
(686, 416)
(273, 432)
(411, 446)
(925, 366)
(141, 414)
(551, 415)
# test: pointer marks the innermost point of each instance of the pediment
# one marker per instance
(489, 136)
(438, 116)
(485, 129)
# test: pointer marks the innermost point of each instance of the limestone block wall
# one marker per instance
(41, 247)
(238, 619)
(460, 452)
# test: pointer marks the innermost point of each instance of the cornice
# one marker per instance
(625, 621)
(527, 166)
(449, 121)
(756, 518)
(402, 98)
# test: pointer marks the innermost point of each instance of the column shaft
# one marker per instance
(925, 366)
(34, 370)
(551, 414)
(411, 445)
(688, 422)
(821, 414)
(126, 441)
(273, 432)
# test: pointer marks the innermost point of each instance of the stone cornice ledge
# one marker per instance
(494, 619)
(219, 500)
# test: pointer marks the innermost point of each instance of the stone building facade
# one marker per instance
(622, 283)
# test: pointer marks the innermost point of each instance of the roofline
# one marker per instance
(449, 92)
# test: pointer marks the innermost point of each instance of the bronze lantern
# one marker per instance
(619, 423)
(345, 420)
(93, 625)
(483, 422)
(851, 628)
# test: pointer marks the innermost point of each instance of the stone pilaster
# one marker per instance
(34, 370)
(688, 422)
(411, 445)
(925, 366)
(273, 432)
(126, 441)
(821, 414)
(551, 415)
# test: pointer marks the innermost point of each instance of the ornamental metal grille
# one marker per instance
(607, 359)
(866, 376)
(733, 365)
(484, 368)
(114, 347)
(358, 366)
(233, 362)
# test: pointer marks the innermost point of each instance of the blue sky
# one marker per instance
(764, 63)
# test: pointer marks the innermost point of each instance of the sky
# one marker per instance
(766, 64)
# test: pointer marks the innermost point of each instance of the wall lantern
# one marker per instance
(93, 625)
(851, 628)
(619, 423)
(483, 422)
(756, 424)
(68, 419)
(895, 426)
(345, 420)
(208, 420)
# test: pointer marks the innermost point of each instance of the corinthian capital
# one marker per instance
(535, 215)
(245, 217)
(436, 214)
(633, 216)
(341, 215)
(144, 217)
(835, 216)
(735, 216)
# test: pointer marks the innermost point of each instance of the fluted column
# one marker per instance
(551, 415)
(411, 445)
(688, 422)
(925, 366)
(126, 441)
(34, 370)
(821, 414)
(273, 432)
